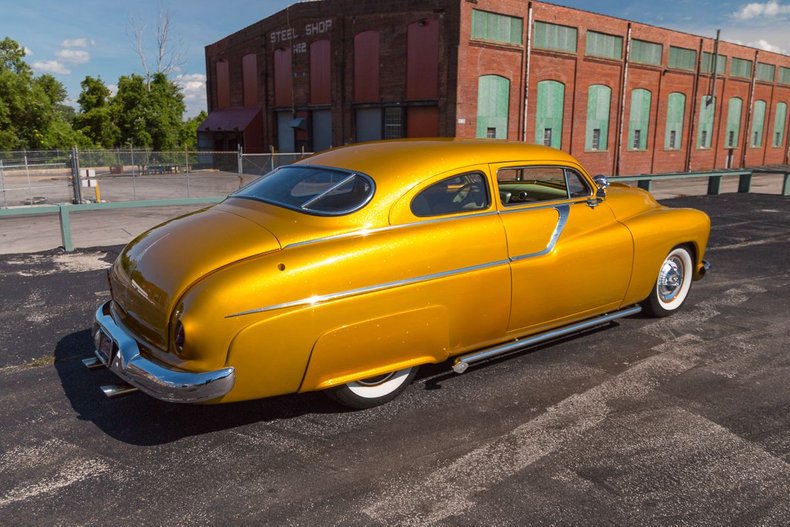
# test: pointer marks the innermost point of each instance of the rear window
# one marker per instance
(312, 190)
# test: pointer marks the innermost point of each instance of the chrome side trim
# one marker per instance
(116, 390)
(366, 232)
(564, 212)
(462, 363)
(319, 299)
(153, 378)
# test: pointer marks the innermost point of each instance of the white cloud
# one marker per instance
(767, 46)
(76, 43)
(113, 89)
(74, 56)
(50, 66)
(769, 9)
(193, 86)
(28, 52)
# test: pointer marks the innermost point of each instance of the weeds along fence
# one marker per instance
(84, 176)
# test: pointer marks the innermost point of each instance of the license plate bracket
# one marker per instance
(105, 348)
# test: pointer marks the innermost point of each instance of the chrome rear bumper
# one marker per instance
(155, 379)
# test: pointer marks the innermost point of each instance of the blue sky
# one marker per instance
(72, 39)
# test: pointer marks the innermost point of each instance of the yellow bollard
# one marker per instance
(98, 193)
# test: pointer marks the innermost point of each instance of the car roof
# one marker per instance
(405, 162)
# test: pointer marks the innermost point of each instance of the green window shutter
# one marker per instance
(707, 108)
(733, 129)
(548, 120)
(493, 102)
(601, 45)
(784, 75)
(599, 99)
(765, 72)
(707, 63)
(496, 27)
(639, 119)
(682, 58)
(741, 68)
(779, 124)
(646, 52)
(676, 109)
(758, 122)
(553, 36)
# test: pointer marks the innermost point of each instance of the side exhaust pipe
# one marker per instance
(116, 390)
(462, 363)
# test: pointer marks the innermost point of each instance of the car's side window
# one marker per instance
(520, 185)
(577, 186)
(459, 193)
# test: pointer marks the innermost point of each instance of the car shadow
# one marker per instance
(142, 420)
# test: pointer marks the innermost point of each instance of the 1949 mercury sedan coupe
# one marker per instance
(347, 271)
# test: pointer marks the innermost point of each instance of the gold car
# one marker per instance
(347, 271)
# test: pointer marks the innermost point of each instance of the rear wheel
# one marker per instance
(373, 391)
(672, 284)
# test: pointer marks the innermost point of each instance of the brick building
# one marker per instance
(621, 96)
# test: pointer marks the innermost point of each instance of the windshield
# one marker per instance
(313, 190)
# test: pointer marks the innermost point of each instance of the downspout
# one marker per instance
(655, 121)
(621, 117)
(715, 64)
(767, 119)
(747, 132)
(694, 111)
(526, 75)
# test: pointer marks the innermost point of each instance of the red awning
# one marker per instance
(229, 120)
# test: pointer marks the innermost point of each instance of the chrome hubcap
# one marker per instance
(670, 279)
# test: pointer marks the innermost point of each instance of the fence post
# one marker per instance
(744, 183)
(240, 160)
(75, 175)
(2, 183)
(65, 228)
(714, 184)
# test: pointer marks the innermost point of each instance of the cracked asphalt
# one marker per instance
(678, 421)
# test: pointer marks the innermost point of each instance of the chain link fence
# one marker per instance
(81, 176)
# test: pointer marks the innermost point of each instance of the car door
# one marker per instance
(569, 256)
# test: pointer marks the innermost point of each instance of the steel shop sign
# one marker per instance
(290, 34)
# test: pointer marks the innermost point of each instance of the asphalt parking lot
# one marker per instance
(679, 421)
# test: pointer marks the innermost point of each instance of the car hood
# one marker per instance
(153, 272)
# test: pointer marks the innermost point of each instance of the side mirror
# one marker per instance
(601, 182)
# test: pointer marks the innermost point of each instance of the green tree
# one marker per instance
(188, 139)
(131, 111)
(96, 120)
(167, 105)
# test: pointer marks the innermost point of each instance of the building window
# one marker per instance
(393, 123)
(707, 108)
(741, 68)
(779, 124)
(553, 36)
(765, 72)
(320, 72)
(602, 45)
(223, 84)
(283, 77)
(733, 121)
(707, 63)
(366, 67)
(550, 107)
(784, 75)
(598, 103)
(645, 52)
(496, 27)
(493, 103)
(547, 136)
(422, 60)
(682, 58)
(676, 111)
(758, 120)
(249, 74)
(490, 132)
(638, 121)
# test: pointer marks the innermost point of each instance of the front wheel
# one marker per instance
(672, 284)
(373, 391)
